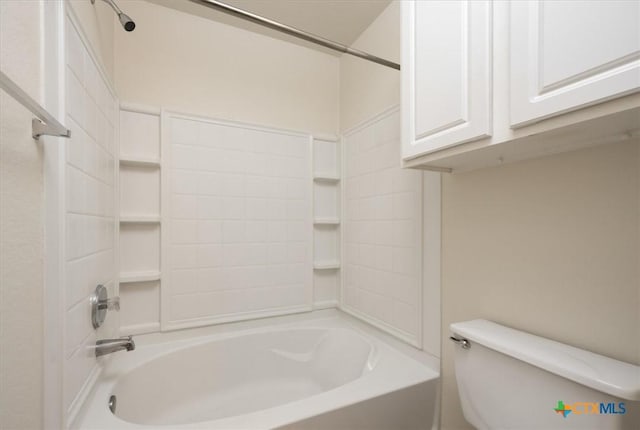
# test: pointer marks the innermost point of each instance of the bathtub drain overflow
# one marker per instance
(112, 404)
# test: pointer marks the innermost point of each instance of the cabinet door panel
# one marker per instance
(566, 55)
(446, 77)
(441, 45)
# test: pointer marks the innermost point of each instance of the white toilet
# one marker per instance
(510, 380)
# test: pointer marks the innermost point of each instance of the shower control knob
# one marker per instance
(100, 304)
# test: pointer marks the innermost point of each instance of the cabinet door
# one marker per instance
(446, 74)
(566, 55)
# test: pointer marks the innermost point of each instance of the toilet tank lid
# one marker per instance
(601, 373)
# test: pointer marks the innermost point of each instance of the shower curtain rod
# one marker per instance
(274, 25)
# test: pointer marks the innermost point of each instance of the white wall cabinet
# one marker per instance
(535, 77)
(447, 78)
(566, 55)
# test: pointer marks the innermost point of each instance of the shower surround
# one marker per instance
(383, 230)
(89, 210)
(196, 220)
(237, 242)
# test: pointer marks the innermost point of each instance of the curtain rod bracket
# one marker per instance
(39, 128)
(44, 123)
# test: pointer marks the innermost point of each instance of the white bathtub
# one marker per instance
(322, 370)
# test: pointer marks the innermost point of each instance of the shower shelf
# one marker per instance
(326, 177)
(326, 265)
(326, 221)
(152, 275)
(140, 219)
(327, 213)
(140, 161)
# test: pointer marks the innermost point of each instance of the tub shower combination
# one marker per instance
(320, 370)
(229, 242)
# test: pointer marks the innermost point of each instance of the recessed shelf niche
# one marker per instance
(139, 192)
(140, 308)
(140, 219)
(326, 220)
(139, 248)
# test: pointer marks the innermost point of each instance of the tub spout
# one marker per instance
(107, 346)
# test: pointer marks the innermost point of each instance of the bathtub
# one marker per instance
(322, 370)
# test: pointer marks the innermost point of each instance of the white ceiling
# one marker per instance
(338, 20)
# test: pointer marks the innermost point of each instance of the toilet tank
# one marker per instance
(508, 379)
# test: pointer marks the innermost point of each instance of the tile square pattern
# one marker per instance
(382, 230)
(89, 210)
(239, 236)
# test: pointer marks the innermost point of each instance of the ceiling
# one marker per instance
(338, 20)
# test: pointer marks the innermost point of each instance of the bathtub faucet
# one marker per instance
(107, 346)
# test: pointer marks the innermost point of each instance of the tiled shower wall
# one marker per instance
(238, 237)
(383, 230)
(89, 211)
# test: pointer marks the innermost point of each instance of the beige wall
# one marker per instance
(366, 88)
(192, 64)
(549, 246)
(98, 22)
(21, 224)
